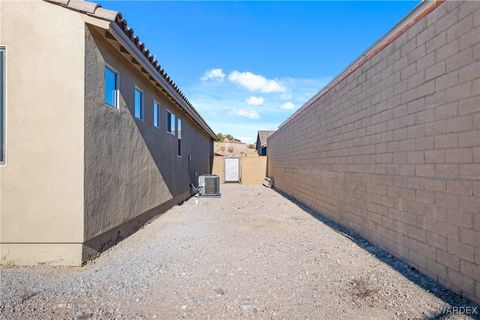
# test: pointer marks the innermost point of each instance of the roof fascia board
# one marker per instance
(101, 23)
(95, 15)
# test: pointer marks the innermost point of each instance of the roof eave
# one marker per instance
(123, 39)
(109, 20)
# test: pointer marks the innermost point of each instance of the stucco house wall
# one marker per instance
(132, 170)
(81, 175)
(41, 200)
(392, 150)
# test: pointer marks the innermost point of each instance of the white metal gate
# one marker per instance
(232, 170)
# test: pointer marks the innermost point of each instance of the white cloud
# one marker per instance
(218, 104)
(255, 101)
(251, 114)
(287, 95)
(255, 82)
(287, 106)
(213, 74)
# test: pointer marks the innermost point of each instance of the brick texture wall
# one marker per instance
(254, 169)
(393, 150)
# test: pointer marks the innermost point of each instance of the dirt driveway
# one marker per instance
(250, 254)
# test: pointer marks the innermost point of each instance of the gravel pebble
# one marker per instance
(250, 254)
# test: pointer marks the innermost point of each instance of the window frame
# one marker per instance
(142, 103)
(172, 128)
(117, 87)
(179, 147)
(3, 162)
(159, 117)
(178, 129)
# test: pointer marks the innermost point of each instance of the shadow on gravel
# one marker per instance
(457, 304)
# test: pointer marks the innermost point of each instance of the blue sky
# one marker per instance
(249, 65)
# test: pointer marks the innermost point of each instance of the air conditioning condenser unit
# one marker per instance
(209, 185)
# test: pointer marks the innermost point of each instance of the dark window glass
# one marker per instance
(170, 122)
(169, 116)
(111, 87)
(179, 147)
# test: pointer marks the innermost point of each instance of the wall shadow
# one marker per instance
(451, 298)
(113, 236)
(133, 172)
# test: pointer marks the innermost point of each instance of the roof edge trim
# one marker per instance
(125, 35)
(120, 35)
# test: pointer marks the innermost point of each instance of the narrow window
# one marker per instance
(2, 105)
(111, 88)
(170, 122)
(179, 127)
(156, 115)
(179, 135)
(138, 104)
(173, 123)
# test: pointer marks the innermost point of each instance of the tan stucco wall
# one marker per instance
(41, 187)
(252, 169)
(218, 167)
(63, 200)
(131, 167)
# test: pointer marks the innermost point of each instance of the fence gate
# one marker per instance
(232, 169)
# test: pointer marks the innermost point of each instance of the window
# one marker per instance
(138, 104)
(156, 115)
(179, 134)
(111, 88)
(170, 123)
(179, 128)
(2, 104)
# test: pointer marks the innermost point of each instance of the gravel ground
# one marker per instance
(249, 254)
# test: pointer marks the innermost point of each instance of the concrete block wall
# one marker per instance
(218, 167)
(393, 150)
(254, 169)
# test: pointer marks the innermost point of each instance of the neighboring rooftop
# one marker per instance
(263, 136)
(116, 18)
